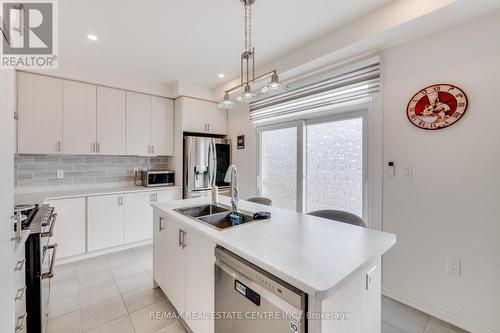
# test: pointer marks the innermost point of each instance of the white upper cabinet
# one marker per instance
(162, 126)
(200, 116)
(64, 116)
(138, 133)
(110, 121)
(40, 114)
(79, 118)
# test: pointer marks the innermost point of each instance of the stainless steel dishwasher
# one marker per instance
(249, 300)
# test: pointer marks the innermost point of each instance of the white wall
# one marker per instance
(244, 159)
(451, 207)
(7, 142)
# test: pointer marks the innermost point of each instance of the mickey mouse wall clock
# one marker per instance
(437, 106)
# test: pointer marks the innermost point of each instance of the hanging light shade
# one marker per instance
(275, 84)
(226, 104)
(247, 95)
(247, 67)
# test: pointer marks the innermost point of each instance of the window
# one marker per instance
(315, 164)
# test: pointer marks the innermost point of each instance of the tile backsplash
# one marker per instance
(41, 170)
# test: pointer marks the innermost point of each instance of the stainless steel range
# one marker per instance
(40, 256)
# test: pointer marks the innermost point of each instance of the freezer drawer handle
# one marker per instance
(52, 223)
(21, 321)
(50, 273)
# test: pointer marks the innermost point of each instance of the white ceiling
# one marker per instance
(190, 40)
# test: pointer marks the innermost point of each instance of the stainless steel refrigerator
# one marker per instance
(206, 161)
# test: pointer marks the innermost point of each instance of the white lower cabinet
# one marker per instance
(69, 230)
(138, 216)
(105, 221)
(184, 269)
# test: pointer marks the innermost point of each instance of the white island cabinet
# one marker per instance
(184, 270)
(337, 265)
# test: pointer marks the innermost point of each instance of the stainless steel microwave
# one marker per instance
(151, 178)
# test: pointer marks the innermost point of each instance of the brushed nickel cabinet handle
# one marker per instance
(180, 238)
(161, 223)
(184, 244)
(92, 147)
(58, 145)
(98, 147)
(20, 265)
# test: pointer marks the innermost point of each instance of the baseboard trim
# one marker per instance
(92, 254)
(437, 312)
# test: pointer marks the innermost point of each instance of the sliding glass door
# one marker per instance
(334, 164)
(279, 165)
(315, 164)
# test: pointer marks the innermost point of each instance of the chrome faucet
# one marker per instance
(232, 178)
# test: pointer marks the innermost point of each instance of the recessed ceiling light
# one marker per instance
(92, 37)
(221, 75)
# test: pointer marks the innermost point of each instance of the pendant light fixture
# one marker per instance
(247, 68)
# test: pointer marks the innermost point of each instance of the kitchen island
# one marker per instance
(337, 265)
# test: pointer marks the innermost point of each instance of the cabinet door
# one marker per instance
(40, 114)
(138, 133)
(199, 277)
(217, 119)
(138, 217)
(70, 228)
(194, 117)
(159, 259)
(203, 117)
(162, 126)
(174, 264)
(105, 221)
(168, 195)
(79, 118)
(110, 121)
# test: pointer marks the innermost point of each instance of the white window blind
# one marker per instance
(351, 84)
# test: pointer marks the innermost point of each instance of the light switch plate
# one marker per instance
(60, 174)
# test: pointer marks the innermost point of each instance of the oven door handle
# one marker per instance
(50, 273)
(52, 223)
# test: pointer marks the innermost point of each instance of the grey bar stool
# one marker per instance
(261, 200)
(340, 216)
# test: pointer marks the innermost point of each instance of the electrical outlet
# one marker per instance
(60, 174)
(136, 171)
(454, 266)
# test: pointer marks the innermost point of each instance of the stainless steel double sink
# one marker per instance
(213, 215)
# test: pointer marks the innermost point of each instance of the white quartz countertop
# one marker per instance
(313, 254)
(38, 197)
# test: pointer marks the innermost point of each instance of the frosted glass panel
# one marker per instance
(335, 166)
(279, 167)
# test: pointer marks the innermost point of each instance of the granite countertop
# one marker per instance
(313, 254)
(38, 197)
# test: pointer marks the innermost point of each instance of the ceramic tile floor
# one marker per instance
(399, 318)
(114, 294)
(109, 294)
